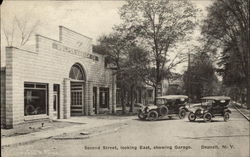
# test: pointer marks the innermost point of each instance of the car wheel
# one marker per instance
(226, 116)
(207, 117)
(152, 115)
(191, 117)
(141, 115)
(163, 110)
(182, 113)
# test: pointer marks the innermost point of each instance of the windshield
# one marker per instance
(160, 101)
(207, 102)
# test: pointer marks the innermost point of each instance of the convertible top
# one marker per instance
(216, 98)
(173, 97)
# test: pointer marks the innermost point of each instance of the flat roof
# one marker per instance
(173, 97)
(216, 98)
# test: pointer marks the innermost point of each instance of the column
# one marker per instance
(114, 93)
(110, 99)
(50, 105)
(89, 98)
(98, 100)
(9, 88)
(67, 98)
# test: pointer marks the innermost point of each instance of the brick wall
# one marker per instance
(52, 66)
(3, 95)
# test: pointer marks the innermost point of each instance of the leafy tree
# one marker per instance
(115, 46)
(158, 25)
(227, 30)
(200, 77)
(127, 59)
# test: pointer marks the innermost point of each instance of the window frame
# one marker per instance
(46, 89)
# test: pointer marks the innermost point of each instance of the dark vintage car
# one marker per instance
(168, 105)
(210, 107)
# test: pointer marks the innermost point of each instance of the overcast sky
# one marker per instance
(91, 18)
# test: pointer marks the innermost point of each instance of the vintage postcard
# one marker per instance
(121, 78)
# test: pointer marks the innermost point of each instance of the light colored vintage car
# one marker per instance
(168, 105)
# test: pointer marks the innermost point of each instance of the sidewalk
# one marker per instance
(242, 109)
(73, 124)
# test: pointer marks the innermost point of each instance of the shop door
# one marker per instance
(56, 101)
(77, 96)
(55, 105)
(104, 97)
(95, 99)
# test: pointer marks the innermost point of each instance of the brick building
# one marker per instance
(56, 79)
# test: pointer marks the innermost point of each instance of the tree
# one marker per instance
(114, 47)
(158, 25)
(227, 29)
(200, 77)
(129, 61)
(19, 31)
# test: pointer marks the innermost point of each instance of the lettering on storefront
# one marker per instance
(74, 51)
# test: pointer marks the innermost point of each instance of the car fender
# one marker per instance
(227, 110)
(152, 107)
(183, 107)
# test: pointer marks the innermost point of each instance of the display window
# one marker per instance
(35, 98)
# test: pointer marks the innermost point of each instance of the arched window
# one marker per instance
(77, 73)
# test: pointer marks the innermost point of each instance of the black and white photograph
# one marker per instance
(125, 78)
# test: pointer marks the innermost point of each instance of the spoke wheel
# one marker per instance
(163, 110)
(182, 113)
(207, 117)
(191, 117)
(141, 115)
(226, 116)
(152, 115)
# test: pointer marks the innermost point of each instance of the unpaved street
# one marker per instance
(144, 138)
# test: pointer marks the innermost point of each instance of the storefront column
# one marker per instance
(50, 105)
(9, 89)
(114, 93)
(67, 99)
(98, 100)
(110, 99)
(89, 98)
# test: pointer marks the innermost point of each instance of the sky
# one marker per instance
(90, 18)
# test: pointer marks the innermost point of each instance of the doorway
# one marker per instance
(56, 102)
(77, 98)
(95, 99)
(104, 97)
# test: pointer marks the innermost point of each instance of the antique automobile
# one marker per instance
(210, 107)
(168, 105)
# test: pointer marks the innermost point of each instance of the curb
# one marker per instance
(247, 118)
(28, 141)
(91, 135)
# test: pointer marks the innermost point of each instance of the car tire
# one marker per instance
(152, 115)
(207, 117)
(226, 116)
(182, 113)
(191, 117)
(141, 115)
(163, 110)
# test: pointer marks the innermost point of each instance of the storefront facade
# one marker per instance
(58, 79)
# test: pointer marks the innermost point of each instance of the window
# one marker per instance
(77, 73)
(150, 93)
(35, 98)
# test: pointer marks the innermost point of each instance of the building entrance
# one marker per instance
(77, 98)
(77, 84)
